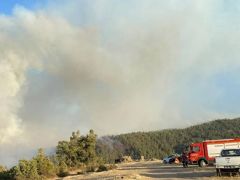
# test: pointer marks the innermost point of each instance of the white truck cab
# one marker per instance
(228, 162)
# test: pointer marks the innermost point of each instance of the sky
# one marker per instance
(115, 66)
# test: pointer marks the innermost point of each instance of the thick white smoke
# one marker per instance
(12, 79)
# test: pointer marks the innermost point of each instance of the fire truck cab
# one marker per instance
(203, 153)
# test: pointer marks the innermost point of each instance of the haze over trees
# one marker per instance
(157, 144)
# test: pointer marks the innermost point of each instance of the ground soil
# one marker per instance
(152, 170)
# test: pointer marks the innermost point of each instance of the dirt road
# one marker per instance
(151, 170)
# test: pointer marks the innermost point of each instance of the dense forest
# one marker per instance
(157, 144)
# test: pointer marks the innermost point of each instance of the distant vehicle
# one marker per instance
(204, 153)
(228, 162)
(170, 159)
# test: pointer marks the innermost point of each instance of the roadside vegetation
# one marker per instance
(76, 154)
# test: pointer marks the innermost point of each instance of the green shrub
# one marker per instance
(102, 168)
(25, 170)
(40, 167)
(45, 166)
(62, 169)
(78, 150)
(106, 167)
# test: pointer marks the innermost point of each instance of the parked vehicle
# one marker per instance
(228, 162)
(175, 158)
(169, 159)
(204, 153)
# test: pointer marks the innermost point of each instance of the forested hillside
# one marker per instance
(157, 144)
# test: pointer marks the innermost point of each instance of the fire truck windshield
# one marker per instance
(194, 148)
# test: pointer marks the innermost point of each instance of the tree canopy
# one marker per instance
(157, 144)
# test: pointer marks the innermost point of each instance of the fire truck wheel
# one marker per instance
(202, 163)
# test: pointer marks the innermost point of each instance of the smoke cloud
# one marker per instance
(115, 67)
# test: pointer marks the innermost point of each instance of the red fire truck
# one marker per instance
(204, 153)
